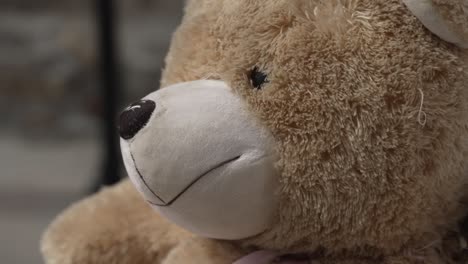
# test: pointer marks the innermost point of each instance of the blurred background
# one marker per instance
(60, 88)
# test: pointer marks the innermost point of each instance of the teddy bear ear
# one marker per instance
(448, 19)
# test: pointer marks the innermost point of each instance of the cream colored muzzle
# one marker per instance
(203, 160)
(431, 17)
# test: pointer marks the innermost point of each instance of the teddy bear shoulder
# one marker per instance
(114, 224)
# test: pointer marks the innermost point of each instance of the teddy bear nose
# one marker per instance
(135, 117)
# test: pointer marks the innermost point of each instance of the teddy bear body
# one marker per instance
(368, 111)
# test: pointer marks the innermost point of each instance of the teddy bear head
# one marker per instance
(308, 124)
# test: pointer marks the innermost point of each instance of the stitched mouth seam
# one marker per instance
(143, 179)
(186, 188)
(201, 176)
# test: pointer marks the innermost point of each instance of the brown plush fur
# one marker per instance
(456, 14)
(370, 115)
(102, 229)
(117, 226)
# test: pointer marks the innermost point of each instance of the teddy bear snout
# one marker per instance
(135, 117)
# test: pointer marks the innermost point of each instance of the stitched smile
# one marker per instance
(165, 204)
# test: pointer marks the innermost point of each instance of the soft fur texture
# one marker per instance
(438, 16)
(455, 12)
(369, 111)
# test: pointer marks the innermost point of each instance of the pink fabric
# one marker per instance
(266, 257)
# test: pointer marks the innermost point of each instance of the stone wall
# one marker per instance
(48, 77)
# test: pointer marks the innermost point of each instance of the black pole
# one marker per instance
(110, 91)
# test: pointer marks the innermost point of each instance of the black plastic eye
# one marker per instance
(257, 78)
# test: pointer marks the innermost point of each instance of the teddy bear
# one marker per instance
(291, 131)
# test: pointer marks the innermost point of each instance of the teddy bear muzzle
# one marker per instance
(202, 159)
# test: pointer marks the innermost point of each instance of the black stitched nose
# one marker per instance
(135, 117)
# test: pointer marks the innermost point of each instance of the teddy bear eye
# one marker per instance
(257, 78)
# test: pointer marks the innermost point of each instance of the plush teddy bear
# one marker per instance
(291, 131)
